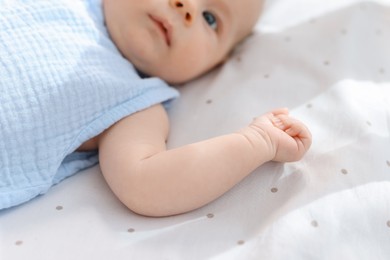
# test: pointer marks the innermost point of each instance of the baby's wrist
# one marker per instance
(260, 141)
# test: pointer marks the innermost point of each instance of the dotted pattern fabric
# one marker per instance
(328, 61)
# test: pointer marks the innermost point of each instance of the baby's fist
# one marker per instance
(289, 139)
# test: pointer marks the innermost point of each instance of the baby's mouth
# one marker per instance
(164, 27)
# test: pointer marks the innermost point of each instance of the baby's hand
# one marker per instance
(288, 139)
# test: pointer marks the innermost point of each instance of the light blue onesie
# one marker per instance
(62, 82)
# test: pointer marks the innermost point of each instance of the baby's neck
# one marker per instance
(142, 75)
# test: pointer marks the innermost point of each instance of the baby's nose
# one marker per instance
(186, 9)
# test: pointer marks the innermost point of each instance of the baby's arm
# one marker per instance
(153, 181)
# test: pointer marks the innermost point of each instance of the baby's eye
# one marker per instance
(210, 19)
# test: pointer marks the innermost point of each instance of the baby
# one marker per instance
(177, 41)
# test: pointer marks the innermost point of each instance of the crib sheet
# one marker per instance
(329, 63)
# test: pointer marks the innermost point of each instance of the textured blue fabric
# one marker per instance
(62, 82)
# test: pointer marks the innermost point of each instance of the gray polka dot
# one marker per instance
(309, 105)
(382, 71)
(19, 243)
(314, 223)
(388, 163)
(59, 208)
(326, 62)
(210, 215)
(266, 76)
(368, 123)
(274, 190)
(209, 101)
(131, 230)
(240, 242)
(388, 223)
(344, 171)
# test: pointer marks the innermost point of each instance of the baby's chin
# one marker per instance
(173, 74)
(177, 76)
(171, 77)
(177, 80)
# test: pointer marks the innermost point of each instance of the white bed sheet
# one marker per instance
(329, 62)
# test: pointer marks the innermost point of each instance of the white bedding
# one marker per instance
(325, 60)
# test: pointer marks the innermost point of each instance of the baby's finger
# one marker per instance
(298, 131)
(302, 136)
(293, 127)
(278, 122)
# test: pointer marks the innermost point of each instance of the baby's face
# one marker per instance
(178, 40)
